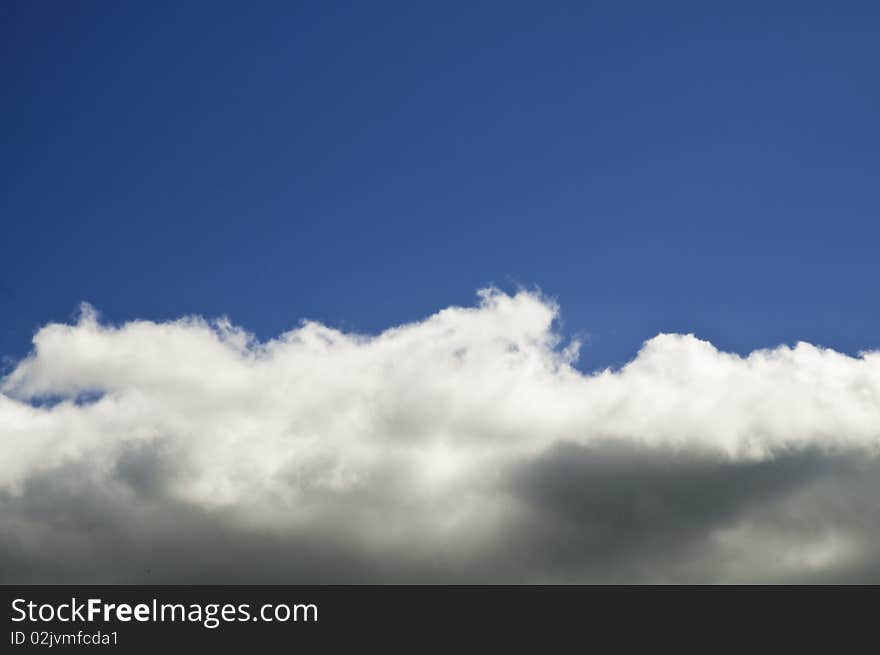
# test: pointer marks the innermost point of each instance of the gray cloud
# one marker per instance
(574, 514)
(618, 514)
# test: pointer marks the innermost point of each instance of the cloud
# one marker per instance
(462, 448)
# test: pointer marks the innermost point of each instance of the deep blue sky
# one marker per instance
(654, 166)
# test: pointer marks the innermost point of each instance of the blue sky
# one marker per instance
(653, 166)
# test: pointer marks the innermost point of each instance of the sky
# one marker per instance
(654, 167)
(439, 292)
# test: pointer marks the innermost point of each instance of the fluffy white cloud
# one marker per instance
(412, 436)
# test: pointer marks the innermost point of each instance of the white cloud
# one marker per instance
(416, 425)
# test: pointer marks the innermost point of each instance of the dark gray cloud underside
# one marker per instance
(601, 513)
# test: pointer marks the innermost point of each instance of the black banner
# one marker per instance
(150, 618)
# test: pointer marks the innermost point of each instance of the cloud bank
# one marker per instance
(462, 448)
